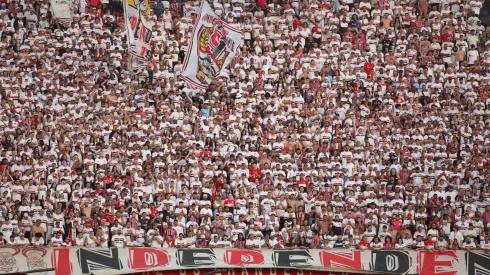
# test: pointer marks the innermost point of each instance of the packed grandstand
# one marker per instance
(339, 124)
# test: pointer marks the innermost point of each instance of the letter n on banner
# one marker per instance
(351, 259)
(243, 258)
(147, 258)
(437, 263)
(93, 260)
(391, 261)
(478, 263)
(60, 260)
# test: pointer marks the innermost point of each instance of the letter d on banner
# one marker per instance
(243, 257)
(144, 258)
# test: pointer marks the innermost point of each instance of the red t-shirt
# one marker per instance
(108, 178)
(94, 3)
(229, 202)
(252, 176)
(4, 166)
(447, 37)
(486, 217)
(388, 245)
(255, 170)
(430, 244)
(365, 244)
(208, 153)
(302, 182)
(368, 67)
(262, 4)
(218, 183)
(296, 23)
(396, 225)
(153, 211)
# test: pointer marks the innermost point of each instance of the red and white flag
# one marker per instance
(213, 46)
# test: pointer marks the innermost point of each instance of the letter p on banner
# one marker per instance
(145, 258)
(244, 257)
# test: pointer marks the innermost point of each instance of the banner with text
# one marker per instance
(213, 46)
(62, 11)
(250, 271)
(107, 261)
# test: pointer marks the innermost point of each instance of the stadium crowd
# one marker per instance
(356, 124)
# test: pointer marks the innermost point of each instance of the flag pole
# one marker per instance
(128, 48)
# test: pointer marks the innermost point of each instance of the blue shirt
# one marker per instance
(205, 112)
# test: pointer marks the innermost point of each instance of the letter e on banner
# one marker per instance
(60, 260)
(350, 259)
(146, 258)
(196, 257)
(292, 258)
(243, 257)
(437, 263)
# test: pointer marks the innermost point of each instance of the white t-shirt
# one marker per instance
(57, 241)
(469, 245)
(156, 241)
(484, 245)
(179, 242)
(20, 241)
(37, 241)
(118, 240)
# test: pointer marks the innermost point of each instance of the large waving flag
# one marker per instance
(213, 46)
(62, 11)
(138, 27)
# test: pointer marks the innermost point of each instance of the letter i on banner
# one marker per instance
(60, 260)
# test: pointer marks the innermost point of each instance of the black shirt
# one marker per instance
(339, 244)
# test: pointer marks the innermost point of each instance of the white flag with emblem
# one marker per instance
(213, 46)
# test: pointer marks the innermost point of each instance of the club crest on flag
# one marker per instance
(214, 43)
(213, 50)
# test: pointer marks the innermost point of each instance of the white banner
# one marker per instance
(109, 261)
(139, 33)
(62, 10)
(213, 46)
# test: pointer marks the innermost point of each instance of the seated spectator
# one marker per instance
(468, 243)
